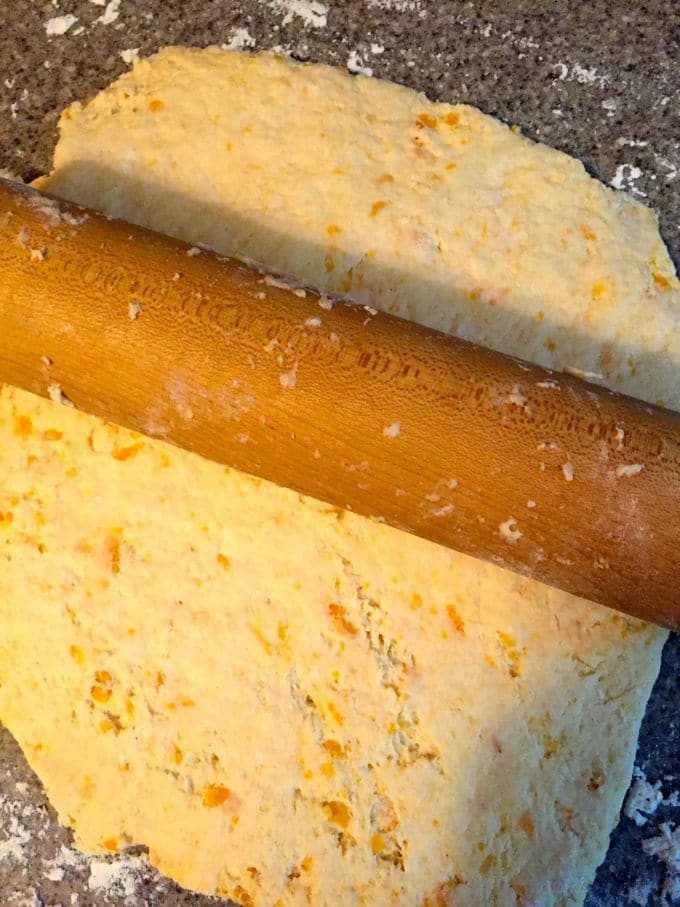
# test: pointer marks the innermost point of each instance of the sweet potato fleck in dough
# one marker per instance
(287, 704)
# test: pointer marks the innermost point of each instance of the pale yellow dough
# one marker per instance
(289, 705)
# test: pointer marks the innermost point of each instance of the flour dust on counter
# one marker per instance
(284, 703)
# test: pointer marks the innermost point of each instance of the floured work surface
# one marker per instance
(281, 701)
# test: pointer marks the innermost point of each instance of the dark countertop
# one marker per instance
(597, 80)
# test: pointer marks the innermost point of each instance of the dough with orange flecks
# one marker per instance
(285, 703)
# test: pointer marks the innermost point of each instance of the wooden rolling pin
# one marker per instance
(534, 470)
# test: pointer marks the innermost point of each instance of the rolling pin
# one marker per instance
(536, 471)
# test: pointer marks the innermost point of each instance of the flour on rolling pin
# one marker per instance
(392, 717)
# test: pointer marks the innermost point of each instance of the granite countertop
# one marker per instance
(597, 80)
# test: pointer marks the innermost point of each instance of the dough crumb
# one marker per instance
(289, 379)
(580, 373)
(517, 398)
(508, 532)
(629, 469)
(56, 395)
(445, 510)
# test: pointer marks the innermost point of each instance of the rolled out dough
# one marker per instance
(286, 704)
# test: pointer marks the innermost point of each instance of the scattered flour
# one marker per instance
(670, 168)
(393, 430)
(625, 178)
(240, 39)
(116, 877)
(283, 50)
(398, 6)
(666, 847)
(59, 25)
(55, 873)
(120, 878)
(111, 13)
(130, 55)
(581, 74)
(310, 11)
(15, 836)
(673, 799)
(523, 41)
(633, 143)
(643, 800)
(639, 893)
(355, 64)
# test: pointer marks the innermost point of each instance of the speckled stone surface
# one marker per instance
(598, 80)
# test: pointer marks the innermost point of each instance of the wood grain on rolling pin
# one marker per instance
(533, 470)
